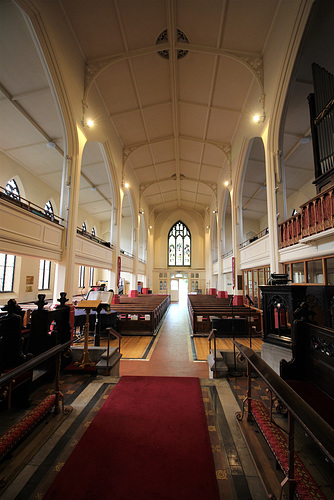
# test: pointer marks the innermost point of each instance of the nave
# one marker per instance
(171, 355)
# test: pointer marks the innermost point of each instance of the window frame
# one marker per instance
(5, 267)
(46, 274)
(12, 191)
(48, 210)
(91, 277)
(81, 283)
(175, 232)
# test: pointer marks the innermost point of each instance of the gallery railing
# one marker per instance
(316, 216)
(28, 205)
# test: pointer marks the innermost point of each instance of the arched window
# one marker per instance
(179, 245)
(83, 227)
(48, 210)
(93, 231)
(11, 189)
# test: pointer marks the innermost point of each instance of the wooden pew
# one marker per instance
(141, 315)
(203, 308)
(311, 371)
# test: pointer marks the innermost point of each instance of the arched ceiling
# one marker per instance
(175, 116)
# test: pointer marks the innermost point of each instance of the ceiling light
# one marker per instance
(126, 185)
(215, 211)
(226, 183)
(90, 122)
(141, 211)
(259, 118)
(93, 188)
(50, 144)
(305, 140)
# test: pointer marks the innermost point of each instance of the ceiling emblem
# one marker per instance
(180, 37)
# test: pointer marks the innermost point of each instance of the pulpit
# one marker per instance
(282, 304)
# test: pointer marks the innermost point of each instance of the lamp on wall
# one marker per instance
(260, 117)
(141, 211)
(215, 211)
(89, 122)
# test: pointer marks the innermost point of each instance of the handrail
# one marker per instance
(28, 365)
(94, 238)
(227, 254)
(29, 206)
(257, 236)
(320, 431)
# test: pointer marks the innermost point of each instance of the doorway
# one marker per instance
(179, 290)
(174, 290)
(183, 291)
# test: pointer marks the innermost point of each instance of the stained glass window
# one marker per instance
(179, 245)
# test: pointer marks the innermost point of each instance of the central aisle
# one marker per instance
(172, 355)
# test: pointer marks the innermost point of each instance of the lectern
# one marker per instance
(87, 305)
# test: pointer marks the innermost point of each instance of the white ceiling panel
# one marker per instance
(152, 79)
(15, 129)
(165, 170)
(37, 160)
(157, 128)
(188, 73)
(169, 107)
(192, 120)
(131, 128)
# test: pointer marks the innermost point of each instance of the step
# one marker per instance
(113, 365)
(221, 366)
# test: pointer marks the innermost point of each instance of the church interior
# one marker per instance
(166, 229)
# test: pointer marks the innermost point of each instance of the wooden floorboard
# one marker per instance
(202, 345)
(132, 347)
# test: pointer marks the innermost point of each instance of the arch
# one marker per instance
(254, 206)
(179, 245)
(12, 189)
(253, 62)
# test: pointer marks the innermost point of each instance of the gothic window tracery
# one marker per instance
(179, 245)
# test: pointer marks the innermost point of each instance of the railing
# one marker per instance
(94, 238)
(29, 206)
(316, 216)
(214, 261)
(126, 253)
(297, 409)
(254, 238)
(227, 254)
(141, 260)
(11, 375)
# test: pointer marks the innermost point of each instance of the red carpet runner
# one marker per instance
(149, 441)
